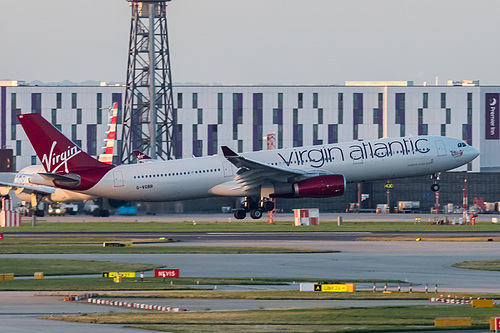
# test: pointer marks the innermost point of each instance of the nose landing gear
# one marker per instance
(435, 186)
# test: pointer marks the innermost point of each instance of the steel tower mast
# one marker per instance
(148, 114)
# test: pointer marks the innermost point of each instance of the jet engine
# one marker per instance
(316, 187)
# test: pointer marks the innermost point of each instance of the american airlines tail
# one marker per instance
(107, 155)
(66, 165)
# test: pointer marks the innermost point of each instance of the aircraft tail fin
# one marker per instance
(107, 155)
(59, 155)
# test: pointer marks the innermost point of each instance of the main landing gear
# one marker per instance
(435, 186)
(256, 208)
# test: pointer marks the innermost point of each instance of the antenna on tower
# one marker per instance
(148, 114)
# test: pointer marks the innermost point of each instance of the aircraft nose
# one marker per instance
(473, 152)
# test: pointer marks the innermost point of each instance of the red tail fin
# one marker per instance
(58, 154)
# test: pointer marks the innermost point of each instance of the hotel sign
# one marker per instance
(492, 101)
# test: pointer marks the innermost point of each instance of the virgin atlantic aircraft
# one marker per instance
(303, 172)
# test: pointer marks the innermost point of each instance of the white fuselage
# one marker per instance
(357, 161)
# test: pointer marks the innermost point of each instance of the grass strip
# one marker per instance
(254, 226)
(293, 295)
(482, 265)
(27, 267)
(156, 284)
(362, 319)
(93, 245)
(430, 239)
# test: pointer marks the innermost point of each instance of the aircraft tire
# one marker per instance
(240, 214)
(435, 187)
(256, 214)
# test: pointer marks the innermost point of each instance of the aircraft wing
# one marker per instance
(44, 190)
(252, 174)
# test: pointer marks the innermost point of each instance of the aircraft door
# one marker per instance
(441, 150)
(118, 178)
(228, 169)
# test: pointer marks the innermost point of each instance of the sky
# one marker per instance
(283, 42)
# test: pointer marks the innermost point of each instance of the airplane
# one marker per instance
(314, 172)
(142, 158)
(27, 191)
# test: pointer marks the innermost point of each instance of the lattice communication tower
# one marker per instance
(148, 114)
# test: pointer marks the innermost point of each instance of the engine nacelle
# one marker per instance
(316, 187)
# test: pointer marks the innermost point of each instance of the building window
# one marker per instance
(13, 99)
(333, 136)
(212, 140)
(443, 129)
(340, 105)
(300, 100)
(99, 108)
(298, 135)
(275, 116)
(58, 100)
(402, 130)
(179, 100)
(375, 116)
(73, 133)
(200, 116)
(316, 140)
(54, 117)
(92, 139)
(295, 116)
(357, 101)
(425, 129)
(280, 100)
(280, 136)
(99, 115)
(448, 116)
(237, 108)
(320, 116)
(178, 143)
(235, 132)
(355, 134)
(13, 132)
(240, 146)
(33, 160)
(220, 109)
(425, 102)
(315, 100)
(420, 116)
(443, 100)
(78, 116)
(195, 100)
(73, 101)
(18, 148)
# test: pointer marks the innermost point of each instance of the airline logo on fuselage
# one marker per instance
(53, 162)
(317, 157)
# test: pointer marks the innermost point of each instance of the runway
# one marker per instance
(418, 263)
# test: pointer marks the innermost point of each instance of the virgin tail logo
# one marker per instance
(53, 162)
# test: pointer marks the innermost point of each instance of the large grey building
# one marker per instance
(241, 116)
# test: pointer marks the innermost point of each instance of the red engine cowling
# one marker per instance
(315, 187)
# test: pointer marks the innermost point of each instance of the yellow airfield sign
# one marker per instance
(336, 288)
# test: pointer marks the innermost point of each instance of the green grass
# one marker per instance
(150, 283)
(27, 267)
(483, 265)
(364, 319)
(91, 245)
(224, 226)
(291, 294)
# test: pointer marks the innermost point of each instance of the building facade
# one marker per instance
(240, 117)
